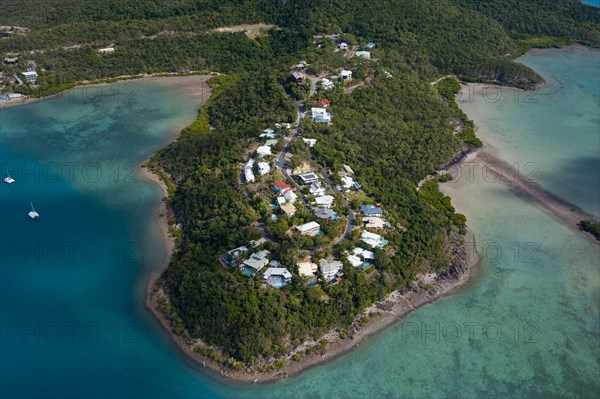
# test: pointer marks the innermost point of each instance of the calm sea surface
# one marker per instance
(72, 320)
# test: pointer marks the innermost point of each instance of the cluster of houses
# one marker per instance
(330, 269)
(274, 274)
(361, 258)
(263, 151)
(286, 197)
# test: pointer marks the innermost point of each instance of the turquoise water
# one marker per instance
(527, 327)
(591, 2)
(551, 135)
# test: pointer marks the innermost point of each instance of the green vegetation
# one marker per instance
(469, 38)
(393, 130)
(590, 227)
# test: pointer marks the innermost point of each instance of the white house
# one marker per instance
(343, 46)
(316, 189)
(309, 178)
(30, 76)
(248, 173)
(372, 239)
(320, 115)
(271, 143)
(330, 269)
(277, 277)
(281, 201)
(307, 269)
(325, 201)
(106, 50)
(311, 142)
(374, 222)
(345, 75)
(288, 210)
(326, 84)
(363, 253)
(308, 228)
(347, 182)
(288, 126)
(268, 133)
(354, 260)
(263, 168)
(290, 197)
(257, 261)
(263, 151)
(363, 54)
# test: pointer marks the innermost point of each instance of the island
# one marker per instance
(304, 201)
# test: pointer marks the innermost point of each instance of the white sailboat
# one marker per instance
(33, 214)
(8, 179)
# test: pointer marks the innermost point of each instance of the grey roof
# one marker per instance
(371, 210)
(323, 213)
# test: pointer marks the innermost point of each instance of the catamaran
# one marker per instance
(33, 214)
(8, 179)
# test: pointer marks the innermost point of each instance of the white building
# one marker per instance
(363, 54)
(309, 178)
(307, 269)
(343, 46)
(363, 253)
(271, 143)
(248, 173)
(371, 239)
(374, 222)
(106, 50)
(263, 151)
(345, 75)
(317, 189)
(30, 76)
(325, 201)
(263, 168)
(347, 182)
(320, 115)
(277, 277)
(287, 126)
(311, 142)
(330, 269)
(355, 261)
(268, 133)
(308, 228)
(291, 197)
(326, 84)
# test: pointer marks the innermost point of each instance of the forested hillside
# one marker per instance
(468, 38)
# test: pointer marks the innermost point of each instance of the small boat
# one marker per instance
(8, 179)
(33, 214)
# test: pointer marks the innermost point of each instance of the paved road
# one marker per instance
(281, 162)
(351, 216)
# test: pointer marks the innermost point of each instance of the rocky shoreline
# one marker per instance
(380, 315)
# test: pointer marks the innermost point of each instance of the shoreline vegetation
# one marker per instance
(370, 322)
(28, 99)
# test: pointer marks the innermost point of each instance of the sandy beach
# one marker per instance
(501, 171)
(191, 87)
